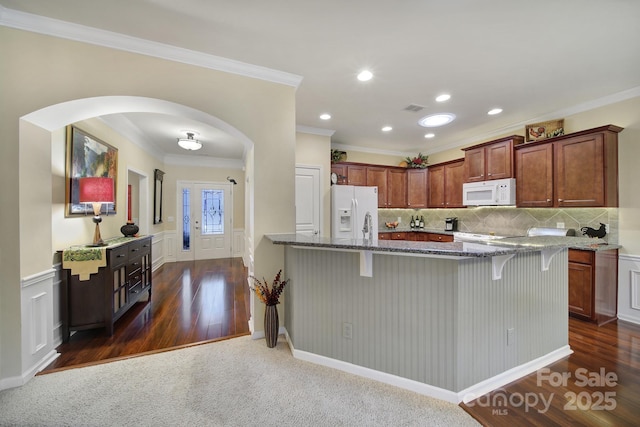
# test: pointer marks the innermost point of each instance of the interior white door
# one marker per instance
(308, 201)
(206, 226)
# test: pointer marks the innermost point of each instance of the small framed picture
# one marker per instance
(544, 130)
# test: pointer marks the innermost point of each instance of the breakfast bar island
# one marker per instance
(449, 320)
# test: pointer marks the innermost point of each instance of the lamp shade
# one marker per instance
(96, 190)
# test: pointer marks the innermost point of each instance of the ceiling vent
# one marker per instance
(413, 107)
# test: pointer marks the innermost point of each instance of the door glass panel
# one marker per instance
(186, 219)
(212, 212)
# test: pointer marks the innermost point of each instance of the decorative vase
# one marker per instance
(271, 325)
(129, 229)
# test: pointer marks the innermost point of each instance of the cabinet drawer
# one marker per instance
(582, 257)
(118, 256)
(134, 248)
(145, 246)
(133, 290)
(435, 237)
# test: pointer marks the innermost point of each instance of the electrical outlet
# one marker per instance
(606, 228)
(559, 224)
(399, 219)
(347, 330)
(511, 332)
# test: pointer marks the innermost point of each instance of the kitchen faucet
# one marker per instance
(368, 226)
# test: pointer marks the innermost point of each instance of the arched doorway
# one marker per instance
(42, 128)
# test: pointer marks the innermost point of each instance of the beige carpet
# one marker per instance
(238, 382)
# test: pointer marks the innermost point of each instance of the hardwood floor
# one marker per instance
(191, 302)
(206, 300)
(601, 385)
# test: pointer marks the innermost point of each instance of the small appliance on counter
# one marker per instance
(451, 224)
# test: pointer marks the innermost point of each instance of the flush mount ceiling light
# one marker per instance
(436, 120)
(365, 75)
(494, 111)
(189, 143)
(443, 97)
(325, 116)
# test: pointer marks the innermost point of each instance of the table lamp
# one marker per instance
(96, 190)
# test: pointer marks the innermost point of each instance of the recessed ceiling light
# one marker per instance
(325, 116)
(429, 135)
(494, 111)
(365, 75)
(387, 129)
(435, 120)
(443, 97)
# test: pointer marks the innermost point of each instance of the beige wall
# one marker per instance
(46, 71)
(314, 150)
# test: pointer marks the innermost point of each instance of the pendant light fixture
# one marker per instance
(189, 143)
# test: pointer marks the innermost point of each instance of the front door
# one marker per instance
(205, 229)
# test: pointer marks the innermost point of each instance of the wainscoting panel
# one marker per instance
(629, 288)
(37, 302)
(238, 242)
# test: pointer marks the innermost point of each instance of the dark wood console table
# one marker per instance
(98, 299)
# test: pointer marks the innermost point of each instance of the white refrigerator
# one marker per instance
(349, 206)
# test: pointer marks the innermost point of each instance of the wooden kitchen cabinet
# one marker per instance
(391, 183)
(445, 184)
(437, 237)
(593, 285)
(490, 160)
(575, 170)
(417, 188)
(586, 170)
(350, 173)
(534, 176)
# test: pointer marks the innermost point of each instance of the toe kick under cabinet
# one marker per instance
(102, 299)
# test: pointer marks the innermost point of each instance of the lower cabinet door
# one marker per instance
(580, 289)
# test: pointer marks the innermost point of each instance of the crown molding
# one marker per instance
(564, 112)
(67, 30)
(314, 131)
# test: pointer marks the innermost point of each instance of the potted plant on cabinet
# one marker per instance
(270, 296)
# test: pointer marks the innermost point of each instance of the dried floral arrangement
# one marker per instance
(338, 156)
(420, 161)
(269, 295)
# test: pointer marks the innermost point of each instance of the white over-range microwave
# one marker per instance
(498, 192)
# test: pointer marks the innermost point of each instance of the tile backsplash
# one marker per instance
(509, 220)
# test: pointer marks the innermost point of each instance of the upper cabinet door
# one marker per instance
(534, 176)
(377, 177)
(417, 188)
(579, 171)
(474, 164)
(453, 180)
(397, 188)
(356, 175)
(435, 178)
(498, 159)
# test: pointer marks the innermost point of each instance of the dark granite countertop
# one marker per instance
(456, 249)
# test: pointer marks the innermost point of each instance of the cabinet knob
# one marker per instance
(488, 174)
(560, 200)
(481, 174)
(548, 200)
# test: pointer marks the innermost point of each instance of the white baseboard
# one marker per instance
(18, 381)
(465, 395)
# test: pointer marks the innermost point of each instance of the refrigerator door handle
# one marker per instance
(354, 220)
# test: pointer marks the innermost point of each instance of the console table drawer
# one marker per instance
(118, 256)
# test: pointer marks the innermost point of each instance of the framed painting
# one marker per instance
(87, 156)
(543, 130)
